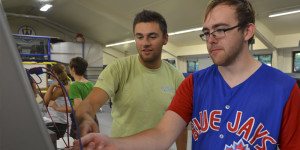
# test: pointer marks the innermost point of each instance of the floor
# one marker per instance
(105, 121)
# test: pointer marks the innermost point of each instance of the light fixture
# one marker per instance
(46, 7)
(284, 13)
(186, 31)
(170, 34)
(115, 44)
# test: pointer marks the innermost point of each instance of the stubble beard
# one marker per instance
(227, 57)
(152, 58)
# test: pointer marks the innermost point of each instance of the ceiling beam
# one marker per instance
(265, 35)
(110, 54)
(169, 53)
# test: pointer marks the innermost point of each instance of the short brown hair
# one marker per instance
(151, 16)
(79, 64)
(244, 10)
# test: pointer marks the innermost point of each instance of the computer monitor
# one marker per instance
(21, 124)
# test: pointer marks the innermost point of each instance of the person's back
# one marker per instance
(56, 94)
(80, 89)
(60, 117)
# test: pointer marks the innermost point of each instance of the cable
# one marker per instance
(73, 112)
(66, 105)
(49, 113)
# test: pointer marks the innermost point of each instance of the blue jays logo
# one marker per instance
(237, 146)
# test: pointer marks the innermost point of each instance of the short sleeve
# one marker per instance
(182, 102)
(109, 79)
(289, 137)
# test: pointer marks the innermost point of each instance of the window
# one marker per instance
(171, 61)
(296, 61)
(192, 66)
(265, 58)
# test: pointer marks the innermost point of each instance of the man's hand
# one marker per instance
(55, 84)
(95, 141)
(53, 104)
(87, 125)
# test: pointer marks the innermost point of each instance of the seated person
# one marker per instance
(55, 93)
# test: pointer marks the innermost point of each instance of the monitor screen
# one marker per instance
(21, 124)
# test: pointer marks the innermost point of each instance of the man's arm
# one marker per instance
(53, 104)
(52, 94)
(289, 136)
(85, 112)
(160, 137)
(181, 142)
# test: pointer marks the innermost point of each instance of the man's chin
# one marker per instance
(147, 59)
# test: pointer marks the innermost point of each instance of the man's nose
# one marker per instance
(211, 39)
(146, 41)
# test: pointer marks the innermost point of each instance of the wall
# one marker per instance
(204, 61)
(285, 58)
(181, 64)
(110, 55)
(281, 58)
(41, 28)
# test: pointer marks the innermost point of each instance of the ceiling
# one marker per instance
(110, 21)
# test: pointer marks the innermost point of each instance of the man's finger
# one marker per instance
(87, 139)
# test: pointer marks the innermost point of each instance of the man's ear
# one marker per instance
(73, 69)
(249, 31)
(166, 39)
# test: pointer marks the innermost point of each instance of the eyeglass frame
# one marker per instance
(203, 38)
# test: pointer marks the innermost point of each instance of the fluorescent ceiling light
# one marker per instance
(46, 7)
(285, 13)
(115, 44)
(173, 33)
(186, 31)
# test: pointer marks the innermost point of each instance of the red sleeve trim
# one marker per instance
(289, 137)
(182, 102)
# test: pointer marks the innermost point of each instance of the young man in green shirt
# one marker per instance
(141, 86)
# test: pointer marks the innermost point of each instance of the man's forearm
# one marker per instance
(181, 142)
(146, 140)
(91, 104)
(160, 137)
(83, 110)
(48, 94)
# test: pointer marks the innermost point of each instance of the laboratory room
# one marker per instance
(150, 74)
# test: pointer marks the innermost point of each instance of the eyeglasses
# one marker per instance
(217, 34)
